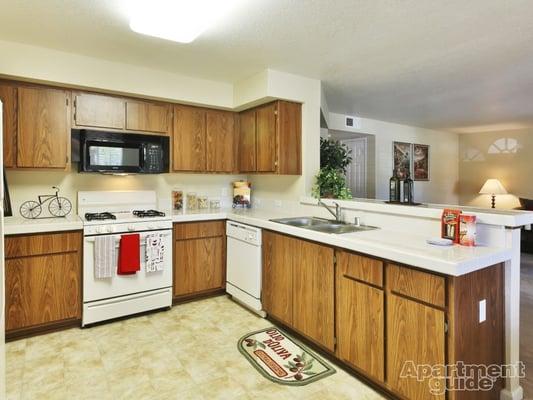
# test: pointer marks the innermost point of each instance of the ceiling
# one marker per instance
(444, 65)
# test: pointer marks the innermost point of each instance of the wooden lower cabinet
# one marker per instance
(277, 292)
(313, 293)
(384, 320)
(298, 286)
(43, 281)
(360, 326)
(199, 258)
(415, 336)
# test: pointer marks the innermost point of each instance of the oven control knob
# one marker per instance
(151, 227)
(131, 228)
(110, 229)
(100, 230)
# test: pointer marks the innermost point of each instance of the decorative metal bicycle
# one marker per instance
(57, 206)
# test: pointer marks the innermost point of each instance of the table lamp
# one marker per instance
(493, 187)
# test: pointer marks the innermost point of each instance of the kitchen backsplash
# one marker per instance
(27, 185)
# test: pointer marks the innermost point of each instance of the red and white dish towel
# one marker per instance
(129, 259)
(155, 252)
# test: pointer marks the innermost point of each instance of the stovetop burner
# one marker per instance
(148, 213)
(99, 216)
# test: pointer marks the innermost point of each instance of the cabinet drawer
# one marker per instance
(418, 285)
(193, 230)
(49, 243)
(365, 269)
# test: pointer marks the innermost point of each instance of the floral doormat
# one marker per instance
(281, 358)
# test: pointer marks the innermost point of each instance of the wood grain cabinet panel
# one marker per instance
(266, 138)
(199, 257)
(42, 289)
(50, 243)
(289, 136)
(277, 285)
(415, 334)
(147, 117)
(314, 292)
(43, 282)
(189, 139)
(8, 96)
(360, 326)
(364, 269)
(247, 154)
(220, 132)
(193, 230)
(99, 111)
(198, 265)
(43, 139)
(270, 139)
(419, 285)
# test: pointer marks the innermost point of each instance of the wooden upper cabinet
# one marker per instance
(43, 139)
(247, 141)
(189, 139)
(8, 96)
(220, 126)
(99, 111)
(270, 139)
(266, 138)
(148, 117)
(289, 148)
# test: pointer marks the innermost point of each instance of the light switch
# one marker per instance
(482, 310)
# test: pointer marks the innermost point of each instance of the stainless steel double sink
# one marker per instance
(323, 225)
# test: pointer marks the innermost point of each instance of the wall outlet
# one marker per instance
(225, 192)
(278, 203)
(482, 310)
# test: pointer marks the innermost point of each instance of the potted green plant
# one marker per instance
(330, 180)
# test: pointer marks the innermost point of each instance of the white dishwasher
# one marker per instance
(244, 265)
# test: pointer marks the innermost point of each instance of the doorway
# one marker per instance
(356, 177)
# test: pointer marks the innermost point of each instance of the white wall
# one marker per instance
(47, 65)
(444, 157)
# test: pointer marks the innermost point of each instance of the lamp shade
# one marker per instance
(493, 186)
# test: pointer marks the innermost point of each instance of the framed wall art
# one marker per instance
(402, 159)
(420, 162)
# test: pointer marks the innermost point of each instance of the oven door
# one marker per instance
(121, 285)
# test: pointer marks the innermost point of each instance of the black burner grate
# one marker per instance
(148, 213)
(99, 216)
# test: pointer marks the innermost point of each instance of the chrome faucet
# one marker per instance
(336, 213)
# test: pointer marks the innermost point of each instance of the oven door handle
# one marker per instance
(92, 239)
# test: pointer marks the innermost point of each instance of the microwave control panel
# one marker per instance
(153, 158)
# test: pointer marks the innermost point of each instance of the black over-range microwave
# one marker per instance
(112, 152)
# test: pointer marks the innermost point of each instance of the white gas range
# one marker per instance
(114, 214)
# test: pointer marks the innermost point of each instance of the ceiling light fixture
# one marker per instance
(177, 20)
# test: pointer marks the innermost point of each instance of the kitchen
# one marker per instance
(120, 295)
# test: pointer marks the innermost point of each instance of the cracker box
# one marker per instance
(450, 224)
(467, 235)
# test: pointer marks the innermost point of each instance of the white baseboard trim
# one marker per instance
(516, 394)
